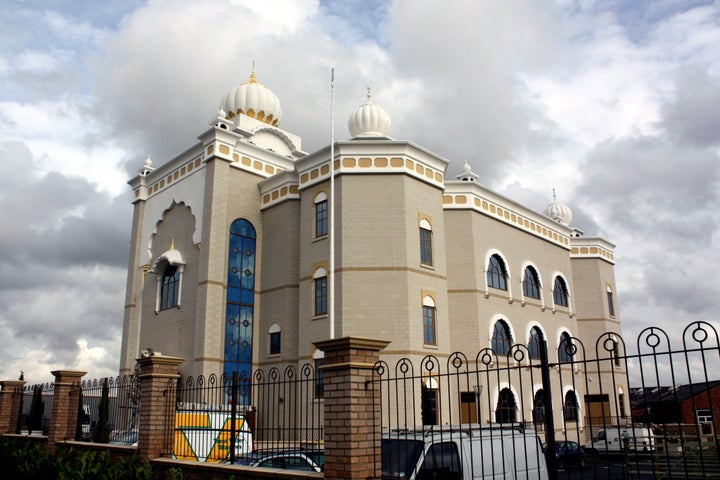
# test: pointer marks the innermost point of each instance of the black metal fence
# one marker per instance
(35, 408)
(612, 410)
(285, 415)
(108, 410)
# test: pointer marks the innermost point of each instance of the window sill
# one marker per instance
(319, 317)
(427, 266)
(430, 346)
(321, 237)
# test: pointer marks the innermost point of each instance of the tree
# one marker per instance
(102, 429)
(37, 409)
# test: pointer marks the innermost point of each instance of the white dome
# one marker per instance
(369, 120)
(254, 100)
(559, 212)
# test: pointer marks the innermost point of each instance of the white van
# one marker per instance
(612, 439)
(463, 453)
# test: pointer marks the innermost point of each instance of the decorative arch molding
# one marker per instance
(555, 275)
(277, 133)
(173, 204)
(524, 267)
(493, 320)
(189, 193)
(508, 273)
(532, 324)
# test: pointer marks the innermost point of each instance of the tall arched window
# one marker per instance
(506, 409)
(275, 339)
(426, 243)
(168, 268)
(170, 287)
(502, 338)
(429, 327)
(240, 304)
(320, 291)
(570, 407)
(566, 349)
(321, 215)
(497, 273)
(531, 283)
(560, 292)
(536, 338)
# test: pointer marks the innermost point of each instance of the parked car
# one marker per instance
(569, 454)
(293, 460)
(128, 438)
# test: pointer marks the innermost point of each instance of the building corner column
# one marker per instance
(351, 406)
(158, 383)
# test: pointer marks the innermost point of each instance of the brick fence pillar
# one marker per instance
(351, 408)
(158, 377)
(63, 416)
(10, 395)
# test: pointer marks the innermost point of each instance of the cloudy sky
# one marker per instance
(615, 104)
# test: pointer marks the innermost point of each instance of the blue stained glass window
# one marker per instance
(240, 303)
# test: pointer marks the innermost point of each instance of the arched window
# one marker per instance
(496, 273)
(560, 292)
(506, 409)
(611, 304)
(426, 245)
(566, 350)
(570, 407)
(170, 287)
(502, 338)
(531, 283)
(320, 288)
(429, 328)
(539, 408)
(274, 339)
(169, 270)
(536, 338)
(321, 215)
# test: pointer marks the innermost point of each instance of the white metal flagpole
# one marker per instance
(331, 263)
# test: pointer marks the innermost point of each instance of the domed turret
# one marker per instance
(254, 100)
(559, 212)
(369, 120)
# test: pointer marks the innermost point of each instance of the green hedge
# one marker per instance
(23, 459)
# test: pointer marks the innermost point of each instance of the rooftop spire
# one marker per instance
(252, 75)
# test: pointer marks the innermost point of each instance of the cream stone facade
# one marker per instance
(230, 249)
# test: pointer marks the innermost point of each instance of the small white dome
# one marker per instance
(369, 120)
(254, 100)
(559, 212)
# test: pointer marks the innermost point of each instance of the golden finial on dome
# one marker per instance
(172, 244)
(252, 75)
